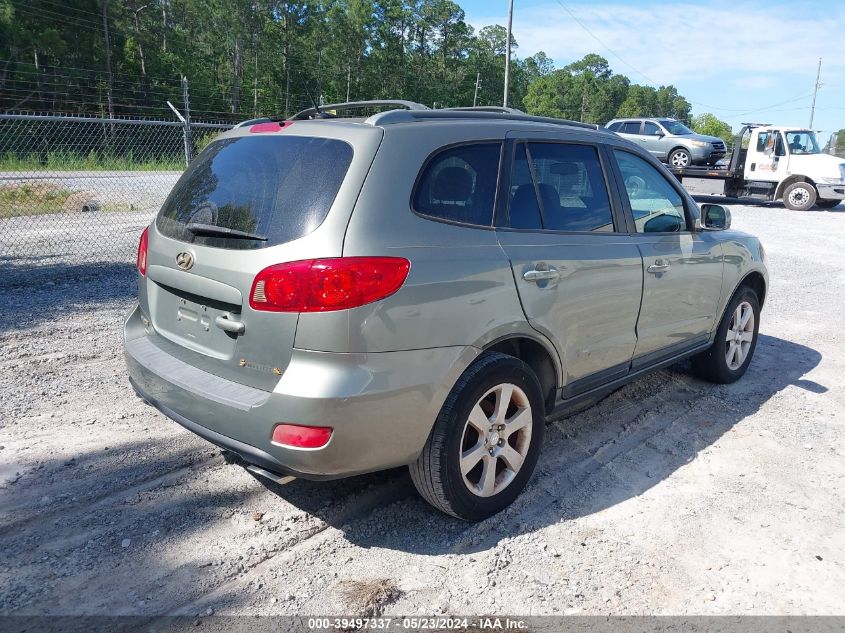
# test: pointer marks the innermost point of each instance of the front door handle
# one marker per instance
(550, 274)
(658, 266)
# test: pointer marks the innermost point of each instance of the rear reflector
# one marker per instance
(142, 252)
(322, 285)
(299, 436)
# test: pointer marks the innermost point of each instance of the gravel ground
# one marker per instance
(671, 496)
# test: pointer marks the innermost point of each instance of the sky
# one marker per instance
(742, 60)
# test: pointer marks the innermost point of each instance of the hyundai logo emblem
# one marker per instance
(185, 261)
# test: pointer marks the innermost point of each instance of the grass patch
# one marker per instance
(369, 597)
(34, 199)
(93, 161)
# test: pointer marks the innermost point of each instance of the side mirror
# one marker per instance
(659, 134)
(715, 217)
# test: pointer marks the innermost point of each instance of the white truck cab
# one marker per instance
(774, 162)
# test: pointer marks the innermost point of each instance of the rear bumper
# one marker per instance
(381, 406)
(831, 192)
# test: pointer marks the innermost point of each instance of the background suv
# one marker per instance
(327, 296)
(670, 141)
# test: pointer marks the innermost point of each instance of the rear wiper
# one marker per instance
(222, 231)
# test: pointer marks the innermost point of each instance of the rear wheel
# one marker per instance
(485, 442)
(736, 339)
(799, 196)
(680, 157)
(827, 204)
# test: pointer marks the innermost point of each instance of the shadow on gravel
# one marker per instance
(647, 429)
(73, 528)
(32, 295)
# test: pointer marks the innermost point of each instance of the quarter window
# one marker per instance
(459, 184)
(614, 127)
(570, 184)
(656, 204)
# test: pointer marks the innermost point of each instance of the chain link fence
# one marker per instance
(79, 190)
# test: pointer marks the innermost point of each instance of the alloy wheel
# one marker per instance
(496, 439)
(740, 335)
(680, 159)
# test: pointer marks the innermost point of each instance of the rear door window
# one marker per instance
(569, 180)
(459, 184)
(630, 127)
(262, 190)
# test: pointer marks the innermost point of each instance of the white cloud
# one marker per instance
(682, 42)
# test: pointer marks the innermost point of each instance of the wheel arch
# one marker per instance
(792, 180)
(537, 356)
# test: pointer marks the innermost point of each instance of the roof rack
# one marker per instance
(500, 109)
(756, 124)
(314, 113)
(406, 116)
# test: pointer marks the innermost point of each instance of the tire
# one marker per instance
(437, 473)
(680, 157)
(714, 364)
(827, 204)
(799, 196)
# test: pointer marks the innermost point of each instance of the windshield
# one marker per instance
(675, 127)
(802, 143)
(253, 192)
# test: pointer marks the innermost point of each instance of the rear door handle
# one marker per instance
(535, 275)
(658, 267)
(228, 325)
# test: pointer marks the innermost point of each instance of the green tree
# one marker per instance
(708, 124)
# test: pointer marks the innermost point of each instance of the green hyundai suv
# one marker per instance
(331, 295)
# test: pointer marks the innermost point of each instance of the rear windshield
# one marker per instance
(263, 190)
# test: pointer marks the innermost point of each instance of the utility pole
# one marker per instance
(477, 85)
(815, 92)
(508, 54)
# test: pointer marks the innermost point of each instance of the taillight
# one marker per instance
(322, 285)
(142, 252)
(299, 436)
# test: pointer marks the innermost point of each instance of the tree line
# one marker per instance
(246, 58)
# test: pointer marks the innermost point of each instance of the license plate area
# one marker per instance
(189, 320)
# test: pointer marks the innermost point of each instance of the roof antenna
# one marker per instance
(320, 113)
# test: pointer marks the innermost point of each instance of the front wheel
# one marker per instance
(486, 441)
(799, 196)
(827, 204)
(736, 339)
(680, 158)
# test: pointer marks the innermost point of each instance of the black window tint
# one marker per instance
(524, 210)
(614, 127)
(571, 186)
(657, 206)
(779, 148)
(631, 127)
(459, 184)
(279, 187)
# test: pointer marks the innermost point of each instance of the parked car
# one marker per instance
(332, 296)
(671, 141)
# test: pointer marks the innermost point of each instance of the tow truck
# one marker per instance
(777, 162)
